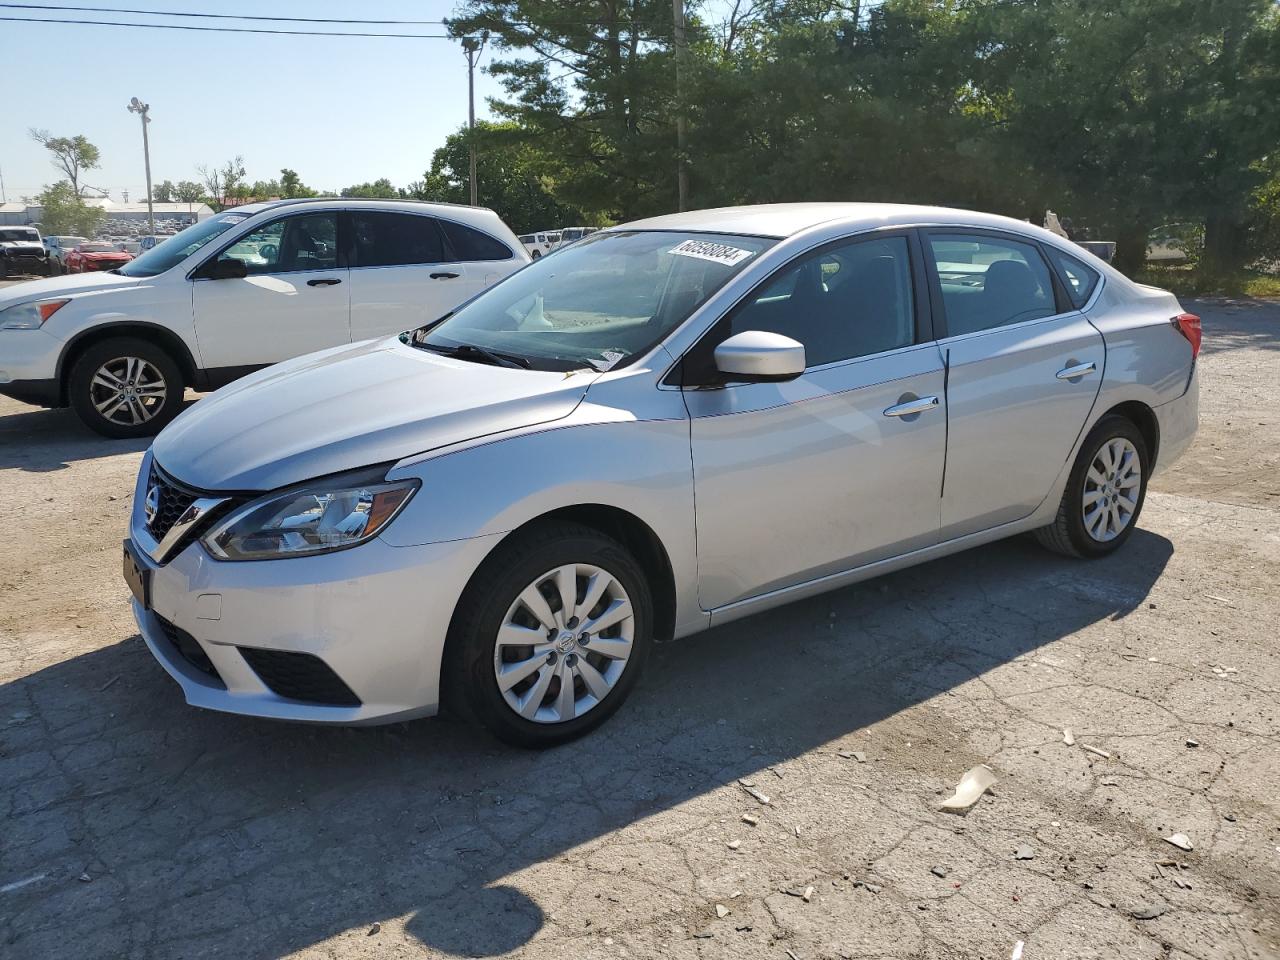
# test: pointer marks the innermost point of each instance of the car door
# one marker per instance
(840, 467)
(294, 299)
(487, 259)
(1024, 367)
(402, 275)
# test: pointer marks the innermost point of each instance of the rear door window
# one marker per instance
(470, 244)
(990, 281)
(394, 239)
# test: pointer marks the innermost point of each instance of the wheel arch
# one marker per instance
(163, 337)
(1144, 418)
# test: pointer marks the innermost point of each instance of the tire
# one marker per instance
(121, 355)
(1069, 534)
(493, 601)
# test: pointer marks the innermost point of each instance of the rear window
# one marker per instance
(1080, 278)
(469, 244)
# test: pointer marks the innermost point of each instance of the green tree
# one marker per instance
(65, 211)
(71, 155)
(163, 191)
(291, 185)
(381, 189)
(224, 185)
(507, 172)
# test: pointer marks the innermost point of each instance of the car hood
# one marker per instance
(69, 286)
(24, 245)
(349, 407)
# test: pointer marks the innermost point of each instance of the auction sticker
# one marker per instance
(715, 252)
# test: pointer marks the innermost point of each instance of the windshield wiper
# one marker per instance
(469, 351)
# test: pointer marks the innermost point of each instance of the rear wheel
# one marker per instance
(1104, 493)
(550, 636)
(125, 387)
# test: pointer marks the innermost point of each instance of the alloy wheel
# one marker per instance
(564, 643)
(128, 390)
(1112, 486)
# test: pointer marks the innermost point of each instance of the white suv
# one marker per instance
(243, 289)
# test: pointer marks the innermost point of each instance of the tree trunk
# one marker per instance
(1224, 249)
(1131, 249)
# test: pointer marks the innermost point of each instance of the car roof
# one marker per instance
(787, 219)
(453, 211)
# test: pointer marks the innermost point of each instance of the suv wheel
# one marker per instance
(550, 636)
(125, 388)
(1104, 494)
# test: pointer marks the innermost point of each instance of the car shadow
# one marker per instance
(38, 440)
(207, 834)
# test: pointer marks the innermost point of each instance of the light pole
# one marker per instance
(140, 108)
(472, 46)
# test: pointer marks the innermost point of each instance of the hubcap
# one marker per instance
(127, 390)
(1111, 489)
(564, 643)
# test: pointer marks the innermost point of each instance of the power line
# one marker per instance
(219, 16)
(185, 26)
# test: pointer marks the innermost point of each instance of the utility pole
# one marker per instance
(682, 124)
(141, 109)
(472, 46)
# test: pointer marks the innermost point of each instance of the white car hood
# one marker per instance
(349, 407)
(22, 244)
(48, 288)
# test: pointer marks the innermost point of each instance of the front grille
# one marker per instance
(168, 499)
(300, 676)
(189, 649)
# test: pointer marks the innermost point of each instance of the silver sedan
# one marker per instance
(669, 425)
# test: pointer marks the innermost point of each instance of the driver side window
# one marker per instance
(307, 242)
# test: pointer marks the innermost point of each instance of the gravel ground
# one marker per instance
(134, 826)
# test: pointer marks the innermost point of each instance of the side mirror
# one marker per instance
(228, 269)
(754, 356)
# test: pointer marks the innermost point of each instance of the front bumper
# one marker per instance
(376, 616)
(29, 365)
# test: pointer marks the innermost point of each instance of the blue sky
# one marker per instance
(337, 110)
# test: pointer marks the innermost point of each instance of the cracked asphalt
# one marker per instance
(133, 826)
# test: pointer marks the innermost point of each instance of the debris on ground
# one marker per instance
(1017, 951)
(1069, 739)
(1096, 750)
(940, 871)
(1181, 841)
(750, 819)
(1024, 852)
(376, 928)
(734, 844)
(750, 788)
(972, 785)
(807, 896)
(721, 911)
(1148, 911)
(1109, 782)
(85, 878)
(1210, 596)
(1192, 743)
(1229, 817)
(107, 685)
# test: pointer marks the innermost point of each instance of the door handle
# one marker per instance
(1074, 371)
(323, 282)
(444, 276)
(911, 408)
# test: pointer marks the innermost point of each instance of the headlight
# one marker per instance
(29, 316)
(317, 518)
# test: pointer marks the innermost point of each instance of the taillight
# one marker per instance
(1188, 325)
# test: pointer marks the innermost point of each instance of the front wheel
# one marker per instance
(550, 636)
(125, 387)
(1104, 493)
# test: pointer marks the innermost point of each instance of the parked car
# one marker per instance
(131, 247)
(570, 235)
(246, 288)
(22, 251)
(95, 255)
(537, 244)
(57, 248)
(666, 426)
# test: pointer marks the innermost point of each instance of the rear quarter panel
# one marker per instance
(1147, 358)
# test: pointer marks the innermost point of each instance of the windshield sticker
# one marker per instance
(715, 252)
(232, 219)
(609, 359)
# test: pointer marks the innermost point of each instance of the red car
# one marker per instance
(95, 255)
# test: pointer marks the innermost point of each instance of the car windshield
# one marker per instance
(600, 303)
(13, 235)
(95, 247)
(177, 248)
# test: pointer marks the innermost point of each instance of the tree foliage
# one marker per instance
(224, 185)
(381, 188)
(65, 211)
(71, 155)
